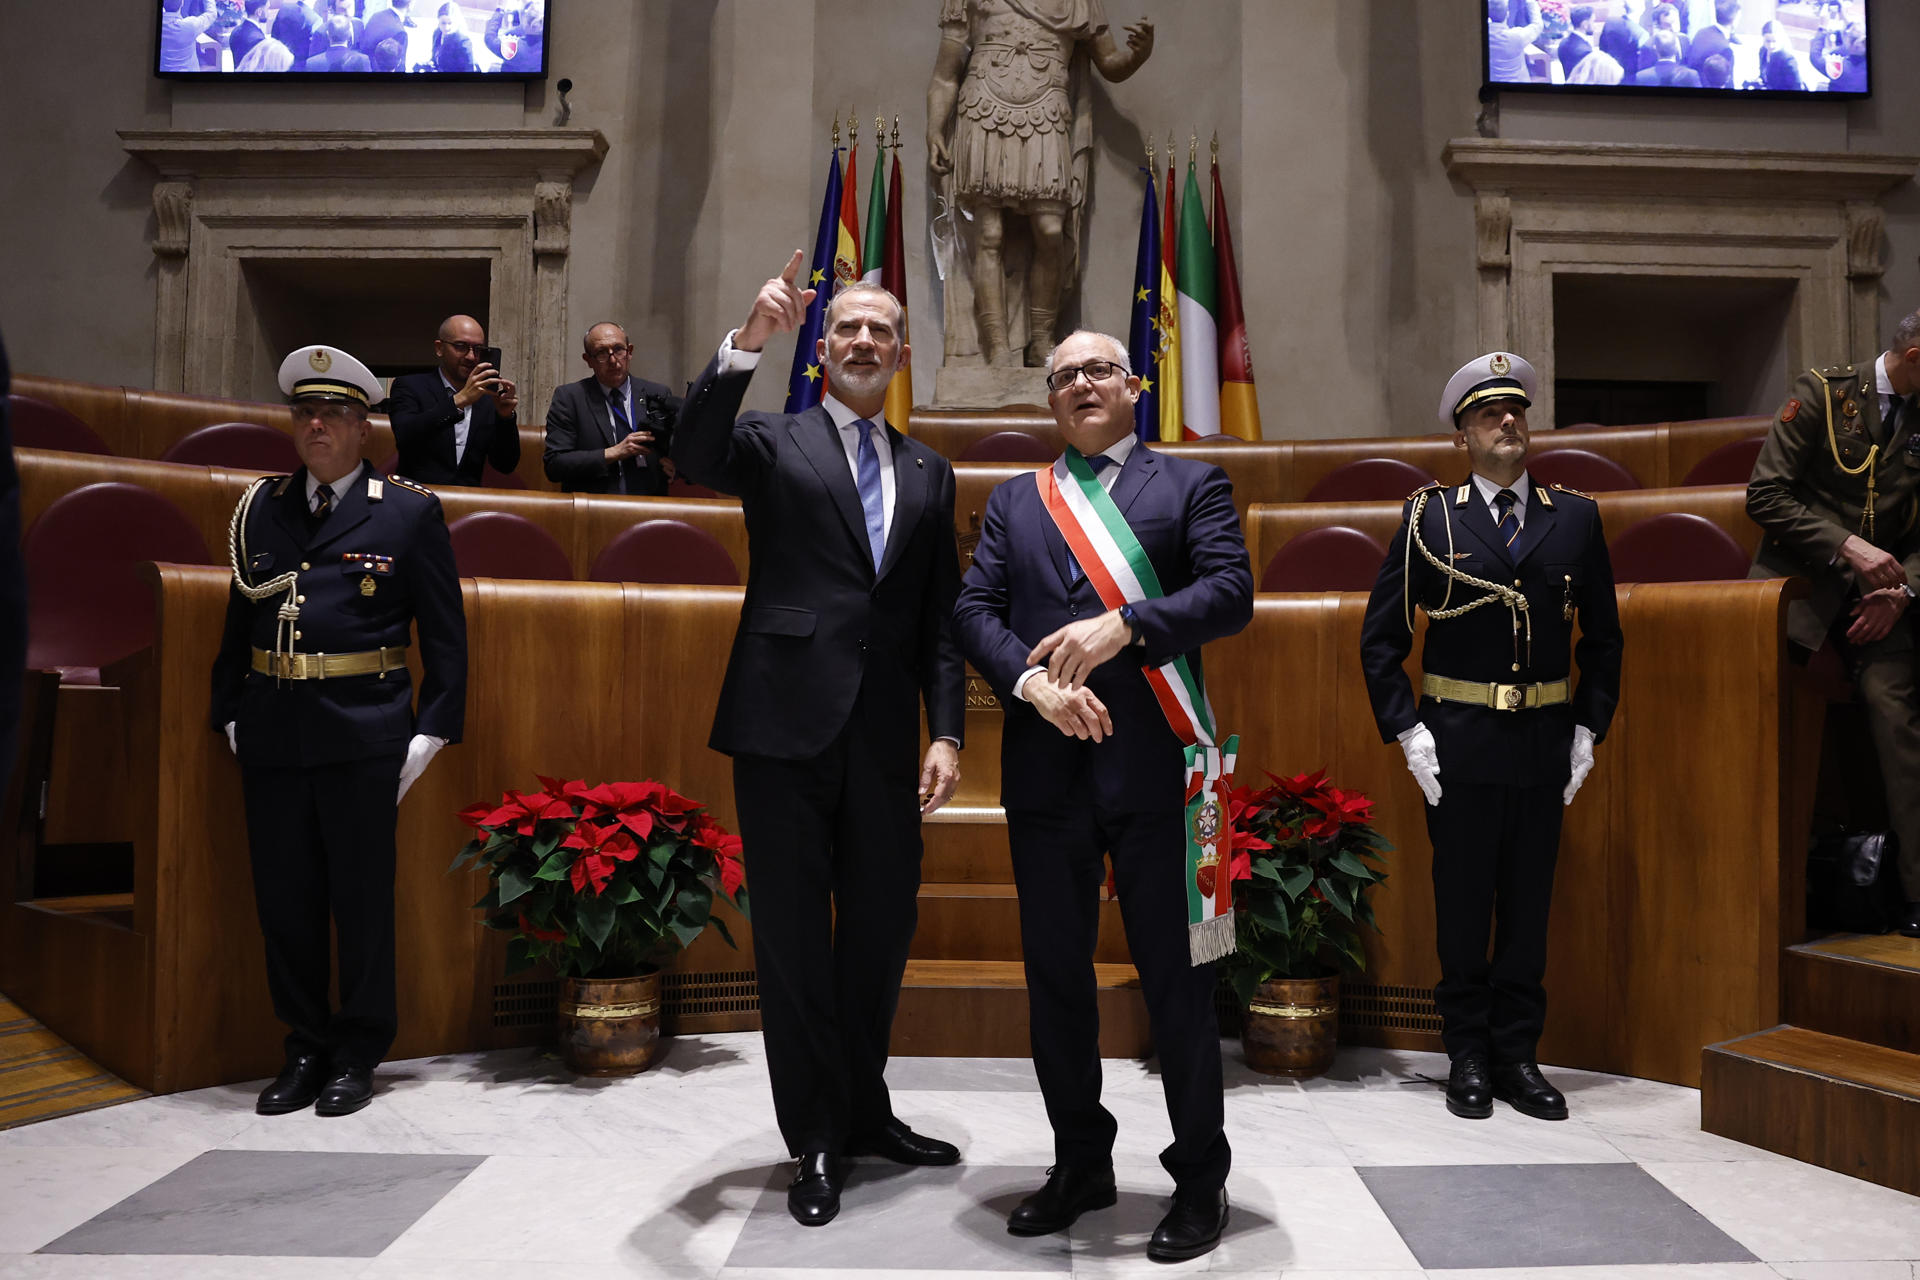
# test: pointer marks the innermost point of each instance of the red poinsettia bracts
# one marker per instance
(608, 879)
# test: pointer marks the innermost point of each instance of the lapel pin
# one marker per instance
(920, 462)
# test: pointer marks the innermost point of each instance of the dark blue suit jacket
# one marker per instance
(424, 417)
(1017, 593)
(1558, 560)
(1670, 75)
(298, 27)
(821, 632)
(398, 544)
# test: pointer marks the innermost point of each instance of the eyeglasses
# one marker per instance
(333, 413)
(464, 348)
(599, 354)
(1096, 371)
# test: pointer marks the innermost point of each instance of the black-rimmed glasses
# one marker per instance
(1096, 371)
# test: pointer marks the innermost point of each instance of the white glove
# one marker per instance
(233, 743)
(1582, 761)
(1423, 761)
(420, 754)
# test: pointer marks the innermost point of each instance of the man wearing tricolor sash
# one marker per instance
(1095, 583)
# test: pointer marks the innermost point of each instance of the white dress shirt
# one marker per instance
(1120, 451)
(462, 427)
(1883, 383)
(1490, 490)
(339, 486)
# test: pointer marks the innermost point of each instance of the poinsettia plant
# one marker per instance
(1303, 856)
(604, 881)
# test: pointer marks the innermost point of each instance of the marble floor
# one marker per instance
(499, 1165)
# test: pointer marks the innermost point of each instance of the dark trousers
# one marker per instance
(322, 843)
(832, 852)
(1493, 853)
(1058, 868)
(1883, 673)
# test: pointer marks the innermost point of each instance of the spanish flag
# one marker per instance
(1171, 421)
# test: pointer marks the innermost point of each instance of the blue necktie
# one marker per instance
(1099, 462)
(1509, 523)
(868, 469)
(622, 427)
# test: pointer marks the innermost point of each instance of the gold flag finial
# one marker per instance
(1193, 149)
(836, 130)
(896, 131)
(853, 128)
(879, 129)
(1216, 148)
(1149, 153)
(1173, 148)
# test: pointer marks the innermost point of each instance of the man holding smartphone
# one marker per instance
(450, 423)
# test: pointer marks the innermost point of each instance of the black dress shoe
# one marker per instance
(1909, 922)
(813, 1197)
(350, 1089)
(1069, 1192)
(1192, 1227)
(295, 1088)
(1520, 1085)
(1470, 1087)
(902, 1145)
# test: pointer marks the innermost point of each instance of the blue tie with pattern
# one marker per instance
(1508, 523)
(622, 428)
(868, 472)
(1099, 462)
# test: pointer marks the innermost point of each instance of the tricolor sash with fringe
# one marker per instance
(1117, 567)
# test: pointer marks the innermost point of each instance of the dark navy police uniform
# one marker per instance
(321, 751)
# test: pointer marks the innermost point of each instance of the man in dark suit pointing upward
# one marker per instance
(845, 630)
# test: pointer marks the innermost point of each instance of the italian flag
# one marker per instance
(1199, 319)
(875, 243)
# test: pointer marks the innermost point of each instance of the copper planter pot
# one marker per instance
(610, 1026)
(1292, 1026)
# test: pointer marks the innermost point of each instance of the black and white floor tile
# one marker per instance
(490, 1166)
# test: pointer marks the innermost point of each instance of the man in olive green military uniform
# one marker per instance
(1837, 490)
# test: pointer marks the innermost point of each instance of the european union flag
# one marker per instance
(1142, 341)
(804, 384)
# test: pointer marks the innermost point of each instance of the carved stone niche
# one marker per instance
(1812, 219)
(228, 199)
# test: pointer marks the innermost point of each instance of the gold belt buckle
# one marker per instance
(1509, 697)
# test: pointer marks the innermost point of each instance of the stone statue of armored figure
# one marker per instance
(1009, 140)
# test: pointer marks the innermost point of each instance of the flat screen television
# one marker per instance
(1744, 48)
(351, 39)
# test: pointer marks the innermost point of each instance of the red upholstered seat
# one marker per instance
(666, 551)
(1676, 546)
(87, 604)
(1580, 469)
(1332, 559)
(389, 466)
(1008, 446)
(499, 544)
(248, 446)
(681, 487)
(1729, 464)
(38, 425)
(1368, 480)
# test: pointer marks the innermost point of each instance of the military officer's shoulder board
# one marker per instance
(407, 484)
(1561, 488)
(279, 483)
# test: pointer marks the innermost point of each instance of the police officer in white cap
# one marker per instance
(1502, 736)
(331, 567)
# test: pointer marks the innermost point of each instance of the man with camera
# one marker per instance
(610, 431)
(449, 424)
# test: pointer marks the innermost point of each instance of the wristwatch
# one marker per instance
(1133, 624)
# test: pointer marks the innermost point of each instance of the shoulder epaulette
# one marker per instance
(405, 483)
(279, 483)
(1425, 488)
(1838, 371)
(1561, 488)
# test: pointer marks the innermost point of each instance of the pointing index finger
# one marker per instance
(793, 267)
